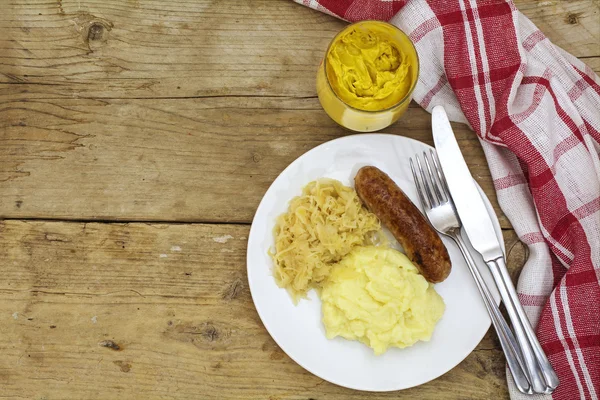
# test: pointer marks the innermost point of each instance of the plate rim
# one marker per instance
(495, 223)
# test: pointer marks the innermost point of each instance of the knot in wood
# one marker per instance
(572, 18)
(210, 332)
(95, 31)
(110, 344)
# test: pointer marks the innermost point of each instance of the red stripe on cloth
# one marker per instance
(502, 125)
(592, 131)
(582, 288)
(502, 56)
(422, 30)
(532, 299)
(336, 7)
(509, 181)
(359, 10)
(569, 342)
(434, 90)
(589, 341)
(587, 209)
(577, 90)
(497, 74)
(584, 307)
(454, 17)
(564, 146)
(450, 13)
(555, 349)
(493, 9)
(563, 226)
(585, 342)
(581, 278)
(541, 179)
(588, 79)
(532, 238)
(533, 39)
(527, 80)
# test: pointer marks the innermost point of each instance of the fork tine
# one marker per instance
(426, 183)
(440, 176)
(424, 203)
(434, 183)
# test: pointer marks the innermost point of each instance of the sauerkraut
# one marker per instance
(320, 227)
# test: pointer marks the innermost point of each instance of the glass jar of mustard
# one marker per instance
(366, 80)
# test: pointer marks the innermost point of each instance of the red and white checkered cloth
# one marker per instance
(536, 110)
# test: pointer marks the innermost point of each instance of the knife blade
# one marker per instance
(478, 226)
(469, 205)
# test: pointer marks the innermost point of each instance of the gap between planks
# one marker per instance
(129, 221)
(145, 221)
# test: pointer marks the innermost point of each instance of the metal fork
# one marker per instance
(440, 211)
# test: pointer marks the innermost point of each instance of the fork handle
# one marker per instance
(535, 358)
(505, 335)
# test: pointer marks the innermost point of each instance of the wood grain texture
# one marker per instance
(133, 49)
(208, 160)
(163, 311)
(151, 49)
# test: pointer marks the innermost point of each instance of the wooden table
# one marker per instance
(137, 139)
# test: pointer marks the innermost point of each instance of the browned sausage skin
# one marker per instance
(420, 241)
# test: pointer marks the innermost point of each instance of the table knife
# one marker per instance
(480, 231)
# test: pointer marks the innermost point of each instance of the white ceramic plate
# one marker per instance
(298, 329)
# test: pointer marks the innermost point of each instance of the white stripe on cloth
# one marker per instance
(473, 64)
(569, 322)
(568, 354)
(484, 61)
(567, 255)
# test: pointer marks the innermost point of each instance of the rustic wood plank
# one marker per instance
(152, 49)
(167, 160)
(133, 49)
(135, 310)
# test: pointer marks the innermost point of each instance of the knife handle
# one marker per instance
(546, 368)
(506, 337)
(541, 374)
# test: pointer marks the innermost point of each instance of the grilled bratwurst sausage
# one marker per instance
(421, 243)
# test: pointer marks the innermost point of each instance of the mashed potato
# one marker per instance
(320, 227)
(377, 296)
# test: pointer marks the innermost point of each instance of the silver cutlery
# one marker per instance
(439, 209)
(480, 231)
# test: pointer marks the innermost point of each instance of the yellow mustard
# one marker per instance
(367, 77)
(367, 69)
